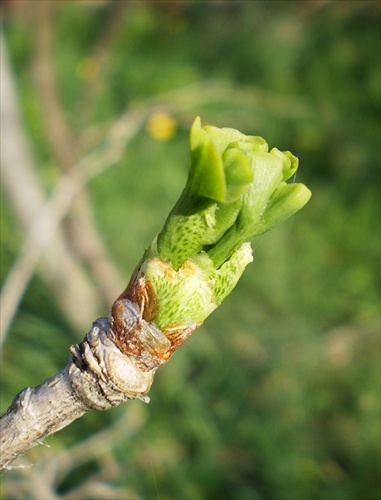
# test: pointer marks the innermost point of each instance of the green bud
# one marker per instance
(189, 295)
(236, 190)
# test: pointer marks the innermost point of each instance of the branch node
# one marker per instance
(109, 377)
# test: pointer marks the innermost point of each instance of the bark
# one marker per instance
(98, 376)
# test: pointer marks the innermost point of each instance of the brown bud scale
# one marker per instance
(133, 330)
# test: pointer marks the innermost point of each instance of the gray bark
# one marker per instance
(98, 376)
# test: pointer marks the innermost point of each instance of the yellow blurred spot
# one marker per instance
(88, 69)
(161, 126)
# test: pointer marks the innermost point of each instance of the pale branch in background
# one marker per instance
(25, 195)
(81, 231)
(236, 190)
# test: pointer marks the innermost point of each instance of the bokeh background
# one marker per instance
(277, 395)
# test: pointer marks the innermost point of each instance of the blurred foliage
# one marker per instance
(277, 395)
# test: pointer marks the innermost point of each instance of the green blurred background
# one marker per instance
(277, 395)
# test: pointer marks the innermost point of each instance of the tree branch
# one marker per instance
(97, 377)
(236, 190)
